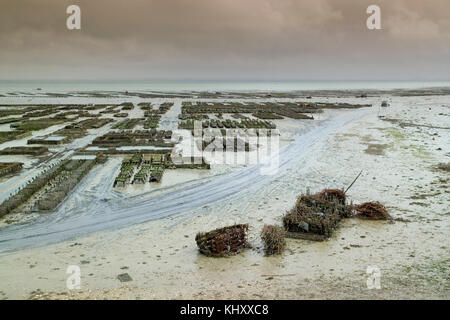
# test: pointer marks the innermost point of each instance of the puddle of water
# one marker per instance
(126, 148)
(84, 157)
(55, 138)
(96, 149)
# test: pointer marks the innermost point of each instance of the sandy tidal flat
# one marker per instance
(398, 162)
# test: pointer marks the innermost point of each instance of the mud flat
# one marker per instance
(161, 257)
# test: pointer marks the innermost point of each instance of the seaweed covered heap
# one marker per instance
(273, 238)
(223, 241)
(372, 211)
(316, 216)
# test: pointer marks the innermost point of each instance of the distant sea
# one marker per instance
(213, 85)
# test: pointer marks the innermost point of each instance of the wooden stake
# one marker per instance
(353, 182)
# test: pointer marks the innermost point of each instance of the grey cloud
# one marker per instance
(225, 38)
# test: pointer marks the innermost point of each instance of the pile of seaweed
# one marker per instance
(274, 240)
(316, 216)
(223, 241)
(372, 211)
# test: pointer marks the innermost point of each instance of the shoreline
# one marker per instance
(106, 96)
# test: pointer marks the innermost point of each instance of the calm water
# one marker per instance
(178, 86)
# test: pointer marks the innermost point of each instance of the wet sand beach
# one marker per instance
(149, 233)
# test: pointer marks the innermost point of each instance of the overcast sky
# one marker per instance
(225, 39)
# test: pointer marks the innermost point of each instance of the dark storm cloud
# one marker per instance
(225, 39)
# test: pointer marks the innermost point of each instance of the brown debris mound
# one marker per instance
(314, 217)
(326, 201)
(372, 211)
(333, 194)
(444, 167)
(274, 239)
(223, 241)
